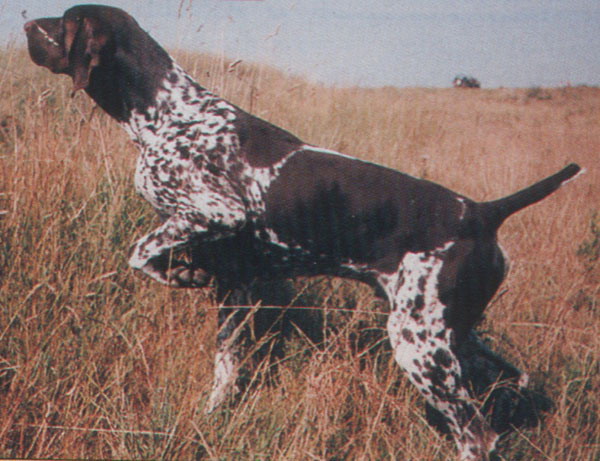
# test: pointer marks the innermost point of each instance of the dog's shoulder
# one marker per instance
(262, 143)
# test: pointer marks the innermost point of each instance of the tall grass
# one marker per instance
(98, 362)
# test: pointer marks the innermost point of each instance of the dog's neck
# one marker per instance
(180, 106)
(129, 76)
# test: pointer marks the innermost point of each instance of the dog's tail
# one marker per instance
(495, 212)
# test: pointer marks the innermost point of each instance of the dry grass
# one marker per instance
(97, 362)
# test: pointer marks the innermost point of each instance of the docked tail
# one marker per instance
(495, 212)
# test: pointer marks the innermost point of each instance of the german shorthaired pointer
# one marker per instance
(252, 201)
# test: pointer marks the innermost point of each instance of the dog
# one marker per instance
(250, 201)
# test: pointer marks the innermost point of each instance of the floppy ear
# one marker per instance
(84, 41)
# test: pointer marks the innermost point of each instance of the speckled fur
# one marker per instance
(190, 170)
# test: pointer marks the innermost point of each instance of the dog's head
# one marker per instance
(78, 42)
(104, 51)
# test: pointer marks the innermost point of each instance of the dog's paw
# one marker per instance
(176, 274)
(183, 276)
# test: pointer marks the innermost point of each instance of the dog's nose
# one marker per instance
(29, 25)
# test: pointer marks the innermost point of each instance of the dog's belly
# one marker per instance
(245, 257)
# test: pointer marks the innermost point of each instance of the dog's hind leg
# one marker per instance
(421, 342)
(508, 402)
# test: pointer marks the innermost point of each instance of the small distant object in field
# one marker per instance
(536, 92)
(465, 81)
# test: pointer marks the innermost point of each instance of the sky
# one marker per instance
(372, 43)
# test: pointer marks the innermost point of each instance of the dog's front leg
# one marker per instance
(153, 253)
(248, 335)
(229, 354)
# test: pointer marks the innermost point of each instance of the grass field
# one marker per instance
(99, 362)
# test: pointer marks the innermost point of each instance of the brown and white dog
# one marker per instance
(255, 202)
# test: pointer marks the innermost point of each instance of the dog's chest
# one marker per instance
(158, 178)
(190, 153)
(184, 165)
(180, 173)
